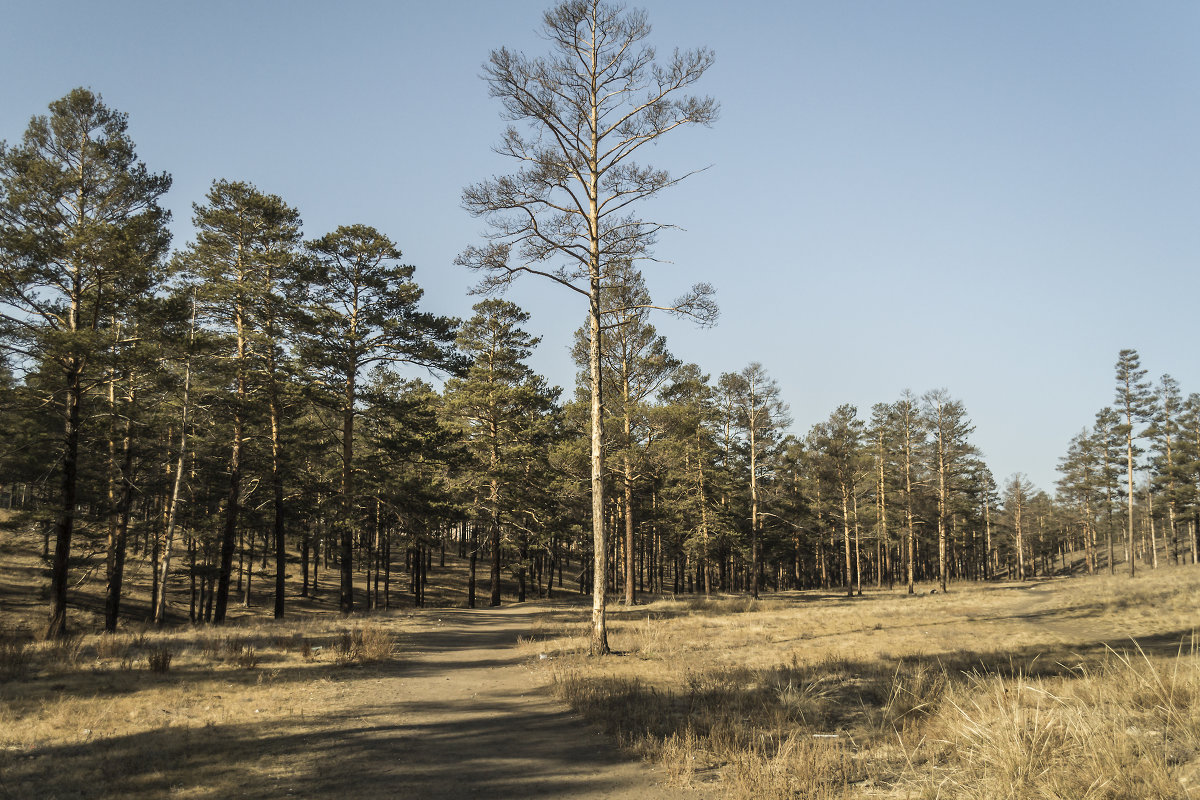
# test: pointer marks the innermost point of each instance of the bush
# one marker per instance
(159, 660)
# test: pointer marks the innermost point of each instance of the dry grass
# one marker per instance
(370, 644)
(992, 691)
(1013, 691)
(97, 693)
(1130, 728)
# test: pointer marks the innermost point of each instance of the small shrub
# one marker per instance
(209, 648)
(377, 645)
(916, 691)
(159, 660)
(229, 649)
(247, 657)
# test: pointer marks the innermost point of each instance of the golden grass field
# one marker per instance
(1070, 688)
(1075, 688)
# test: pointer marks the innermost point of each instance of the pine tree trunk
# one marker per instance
(753, 512)
(249, 553)
(857, 551)
(119, 527)
(160, 605)
(627, 502)
(347, 522)
(1150, 521)
(277, 490)
(941, 513)
(229, 530)
(474, 547)
(846, 542)
(1129, 475)
(598, 643)
(56, 626)
(494, 499)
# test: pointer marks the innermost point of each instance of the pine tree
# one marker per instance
(634, 364)
(1133, 402)
(81, 235)
(910, 432)
(496, 399)
(987, 497)
(1017, 495)
(688, 420)
(1110, 442)
(838, 444)
(243, 265)
(949, 427)
(135, 390)
(587, 109)
(363, 308)
(761, 417)
(883, 445)
(1189, 466)
(1081, 486)
(1164, 432)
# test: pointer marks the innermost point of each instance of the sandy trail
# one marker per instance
(466, 716)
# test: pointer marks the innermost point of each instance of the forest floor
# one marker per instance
(1082, 687)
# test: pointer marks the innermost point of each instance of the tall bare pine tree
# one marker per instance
(584, 112)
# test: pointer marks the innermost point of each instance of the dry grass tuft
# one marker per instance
(369, 644)
(247, 657)
(14, 659)
(159, 660)
(66, 652)
(553, 636)
(1120, 731)
(797, 767)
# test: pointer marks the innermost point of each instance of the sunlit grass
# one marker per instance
(991, 691)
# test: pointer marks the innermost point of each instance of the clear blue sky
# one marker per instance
(991, 197)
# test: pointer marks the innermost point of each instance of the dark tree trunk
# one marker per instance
(118, 536)
(56, 626)
(229, 531)
(474, 546)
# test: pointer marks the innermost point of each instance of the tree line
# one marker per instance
(1131, 480)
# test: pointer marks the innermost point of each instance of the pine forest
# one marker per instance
(258, 451)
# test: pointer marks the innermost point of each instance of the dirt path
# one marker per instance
(462, 713)
(466, 716)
